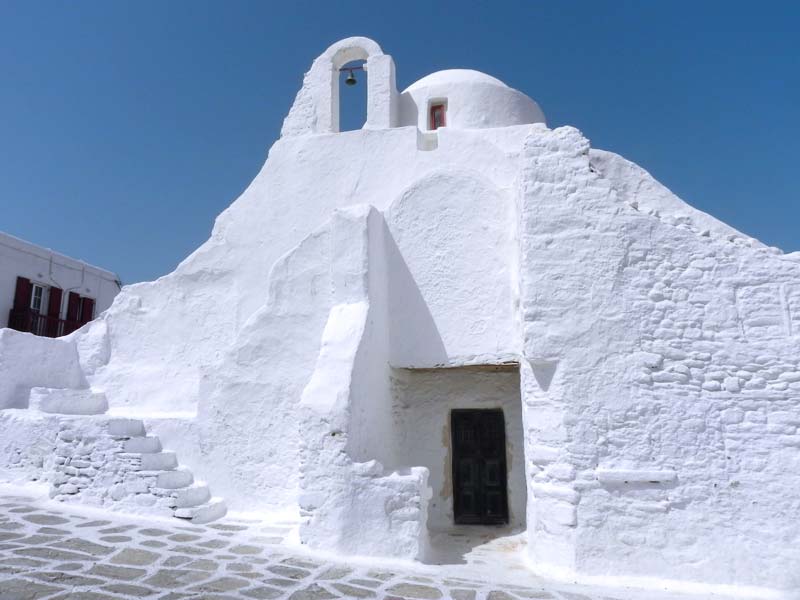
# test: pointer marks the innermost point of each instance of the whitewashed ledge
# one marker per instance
(627, 476)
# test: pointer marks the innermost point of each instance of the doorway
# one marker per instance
(480, 484)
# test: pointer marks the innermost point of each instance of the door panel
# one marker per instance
(480, 485)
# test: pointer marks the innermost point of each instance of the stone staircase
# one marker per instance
(112, 462)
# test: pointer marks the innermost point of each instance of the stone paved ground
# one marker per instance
(54, 551)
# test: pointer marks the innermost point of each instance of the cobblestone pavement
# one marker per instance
(54, 551)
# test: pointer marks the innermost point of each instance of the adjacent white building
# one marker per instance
(455, 316)
(49, 294)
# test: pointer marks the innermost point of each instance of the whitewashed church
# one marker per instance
(452, 318)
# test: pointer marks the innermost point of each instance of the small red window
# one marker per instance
(437, 116)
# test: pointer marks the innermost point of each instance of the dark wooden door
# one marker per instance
(480, 485)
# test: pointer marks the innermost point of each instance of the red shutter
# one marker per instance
(53, 312)
(22, 296)
(73, 305)
(87, 311)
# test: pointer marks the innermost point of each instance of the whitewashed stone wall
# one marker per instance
(663, 359)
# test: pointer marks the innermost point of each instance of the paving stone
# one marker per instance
(216, 544)
(370, 583)
(58, 578)
(53, 531)
(203, 564)
(245, 549)
(84, 596)
(133, 556)
(312, 592)
(184, 537)
(263, 593)
(22, 509)
(416, 590)
(333, 573)
(197, 551)
(572, 596)
(116, 539)
(281, 582)
(172, 578)
(498, 595)
(118, 529)
(455, 582)
(86, 546)
(301, 562)
(45, 519)
(33, 540)
(290, 572)
(11, 526)
(22, 562)
(20, 589)
(129, 590)
(382, 575)
(153, 532)
(177, 561)
(351, 591)
(120, 573)
(94, 524)
(9, 546)
(154, 544)
(4, 537)
(251, 575)
(457, 594)
(227, 527)
(52, 554)
(223, 584)
(69, 567)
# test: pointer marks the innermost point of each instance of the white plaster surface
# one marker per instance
(659, 371)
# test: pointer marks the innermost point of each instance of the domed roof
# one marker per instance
(451, 76)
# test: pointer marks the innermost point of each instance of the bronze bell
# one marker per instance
(351, 79)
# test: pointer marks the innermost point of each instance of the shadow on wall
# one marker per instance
(411, 321)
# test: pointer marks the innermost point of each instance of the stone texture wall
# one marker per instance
(661, 386)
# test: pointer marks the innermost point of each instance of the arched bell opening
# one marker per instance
(353, 89)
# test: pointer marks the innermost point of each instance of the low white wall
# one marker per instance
(28, 361)
(41, 265)
(423, 401)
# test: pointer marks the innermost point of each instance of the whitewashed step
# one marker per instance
(210, 511)
(126, 428)
(171, 480)
(67, 401)
(143, 445)
(160, 461)
(194, 495)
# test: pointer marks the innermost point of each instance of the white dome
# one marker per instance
(472, 100)
(454, 76)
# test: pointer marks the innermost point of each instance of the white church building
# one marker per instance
(455, 317)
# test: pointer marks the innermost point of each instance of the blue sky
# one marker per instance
(126, 127)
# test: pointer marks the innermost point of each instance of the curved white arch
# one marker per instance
(316, 107)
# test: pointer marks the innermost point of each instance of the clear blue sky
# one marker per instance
(126, 127)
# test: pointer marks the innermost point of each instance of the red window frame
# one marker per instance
(440, 108)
